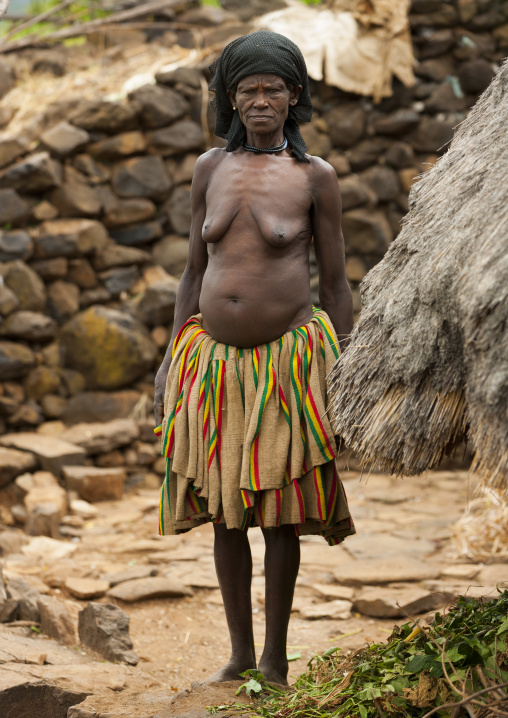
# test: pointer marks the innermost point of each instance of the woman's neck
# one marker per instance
(272, 139)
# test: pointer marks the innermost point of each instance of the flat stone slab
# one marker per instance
(101, 437)
(336, 610)
(135, 704)
(162, 704)
(362, 573)
(95, 484)
(395, 601)
(493, 574)
(193, 703)
(384, 545)
(84, 588)
(130, 574)
(461, 571)
(452, 590)
(331, 591)
(48, 548)
(145, 588)
(53, 454)
(14, 462)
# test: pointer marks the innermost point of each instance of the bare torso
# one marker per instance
(258, 230)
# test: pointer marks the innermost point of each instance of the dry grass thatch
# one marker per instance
(427, 366)
(481, 534)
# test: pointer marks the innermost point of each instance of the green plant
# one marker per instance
(418, 672)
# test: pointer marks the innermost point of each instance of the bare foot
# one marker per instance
(230, 672)
(274, 672)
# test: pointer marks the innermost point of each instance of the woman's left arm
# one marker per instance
(334, 291)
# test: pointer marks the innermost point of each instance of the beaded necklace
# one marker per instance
(266, 150)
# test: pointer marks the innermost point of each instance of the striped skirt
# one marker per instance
(245, 434)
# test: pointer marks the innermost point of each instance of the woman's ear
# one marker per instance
(296, 91)
(232, 96)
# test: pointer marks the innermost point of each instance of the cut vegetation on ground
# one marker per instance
(458, 666)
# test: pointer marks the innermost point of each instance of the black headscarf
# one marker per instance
(260, 52)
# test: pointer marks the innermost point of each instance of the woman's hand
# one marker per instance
(160, 388)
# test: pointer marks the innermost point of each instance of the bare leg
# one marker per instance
(233, 563)
(282, 561)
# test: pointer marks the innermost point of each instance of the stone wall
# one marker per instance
(96, 215)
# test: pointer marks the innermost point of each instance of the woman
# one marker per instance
(242, 386)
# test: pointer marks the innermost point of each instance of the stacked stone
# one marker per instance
(96, 217)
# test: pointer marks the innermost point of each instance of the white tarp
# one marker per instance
(356, 45)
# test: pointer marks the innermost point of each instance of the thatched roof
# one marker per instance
(427, 366)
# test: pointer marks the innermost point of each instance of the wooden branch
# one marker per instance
(87, 27)
(36, 19)
(465, 700)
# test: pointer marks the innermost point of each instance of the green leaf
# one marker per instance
(251, 686)
(363, 711)
(419, 663)
(454, 654)
(331, 651)
(502, 628)
(293, 656)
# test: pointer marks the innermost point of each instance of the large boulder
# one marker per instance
(103, 116)
(16, 360)
(178, 210)
(366, 232)
(171, 253)
(14, 245)
(157, 304)
(94, 406)
(110, 348)
(63, 139)
(105, 628)
(93, 483)
(123, 145)
(26, 285)
(346, 124)
(12, 207)
(183, 136)
(32, 326)
(129, 211)
(142, 177)
(8, 300)
(51, 452)
(69, 238)
(76, 199)
(35, 173)
(11, 148)
(160, 106)
(13, 463)
(101, 437)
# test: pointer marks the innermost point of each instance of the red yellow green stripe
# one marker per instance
(301, 502)
(332, 498)
(284, 405)
(317, 428)
(331, 340)
(320, 492)
(254, 480)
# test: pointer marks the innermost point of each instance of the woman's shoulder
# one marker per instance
(210, 158)
(206, 165)
(320, 167)
(321, 173)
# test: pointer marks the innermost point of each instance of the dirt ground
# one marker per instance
(407, 524)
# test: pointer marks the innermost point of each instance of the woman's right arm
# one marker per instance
(189, 289)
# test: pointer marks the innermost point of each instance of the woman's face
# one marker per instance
(263, 102)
